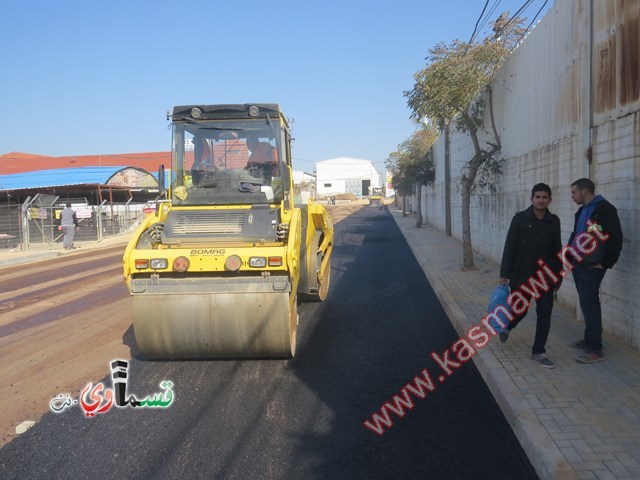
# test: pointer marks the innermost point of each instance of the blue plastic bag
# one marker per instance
(499, 297)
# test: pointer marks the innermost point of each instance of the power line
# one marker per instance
(528, 27)
(478, 21)
(480, 24)
(490, 14)
(515, 15)
(534, 18)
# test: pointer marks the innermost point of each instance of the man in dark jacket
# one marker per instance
(534, 235)
(594, 213)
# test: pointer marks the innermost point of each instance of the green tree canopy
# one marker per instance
(450, 90)
(412, 163)
(456, 74)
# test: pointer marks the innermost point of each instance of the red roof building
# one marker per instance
(18, 162)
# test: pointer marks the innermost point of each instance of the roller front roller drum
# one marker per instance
(215, 325)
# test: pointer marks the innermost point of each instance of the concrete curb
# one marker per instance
(11, 257)
(542, 452)
(27, 258)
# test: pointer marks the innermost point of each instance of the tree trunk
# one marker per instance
(469, 179)
(467, 247)
(419, 205)
(404, 204)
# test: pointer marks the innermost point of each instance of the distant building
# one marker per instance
(300, 177)
(346, 175)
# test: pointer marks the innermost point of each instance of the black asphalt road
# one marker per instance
(300, 419)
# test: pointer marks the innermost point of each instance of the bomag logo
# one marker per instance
(208, 251)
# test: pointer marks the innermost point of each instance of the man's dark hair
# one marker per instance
(541, 187)
(584, 184)
(68, 204)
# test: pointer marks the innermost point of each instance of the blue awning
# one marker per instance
(62, 177)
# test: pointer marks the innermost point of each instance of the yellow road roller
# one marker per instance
(218, 269)
(375, 197)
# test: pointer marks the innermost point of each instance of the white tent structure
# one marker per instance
(346, 175)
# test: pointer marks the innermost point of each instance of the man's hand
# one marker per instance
(504, 281)
(60, 228)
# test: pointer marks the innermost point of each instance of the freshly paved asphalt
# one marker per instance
(301, 418)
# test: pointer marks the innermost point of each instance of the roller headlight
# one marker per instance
(257, 262)
(159, 263)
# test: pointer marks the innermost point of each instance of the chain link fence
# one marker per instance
(35, 222)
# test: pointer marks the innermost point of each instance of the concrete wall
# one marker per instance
(567, 105)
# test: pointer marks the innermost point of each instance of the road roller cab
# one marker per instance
(218, 269)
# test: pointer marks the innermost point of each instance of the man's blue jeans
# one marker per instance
(588, 286)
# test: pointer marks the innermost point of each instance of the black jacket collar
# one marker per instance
(548, 216)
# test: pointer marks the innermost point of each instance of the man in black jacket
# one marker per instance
(595, 213)
(534, 235)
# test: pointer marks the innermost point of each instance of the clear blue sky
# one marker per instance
(83, 77)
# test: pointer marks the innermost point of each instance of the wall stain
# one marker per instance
(630, 64)
(616, 56)
(605, 91)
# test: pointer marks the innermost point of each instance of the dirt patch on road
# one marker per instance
(343, 210)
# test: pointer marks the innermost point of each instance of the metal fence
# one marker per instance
(35, 222)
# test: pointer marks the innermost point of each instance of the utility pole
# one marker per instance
(447, 181)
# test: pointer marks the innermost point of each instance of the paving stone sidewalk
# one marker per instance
(575, 421)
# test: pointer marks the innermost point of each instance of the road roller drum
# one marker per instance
(214, 325)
